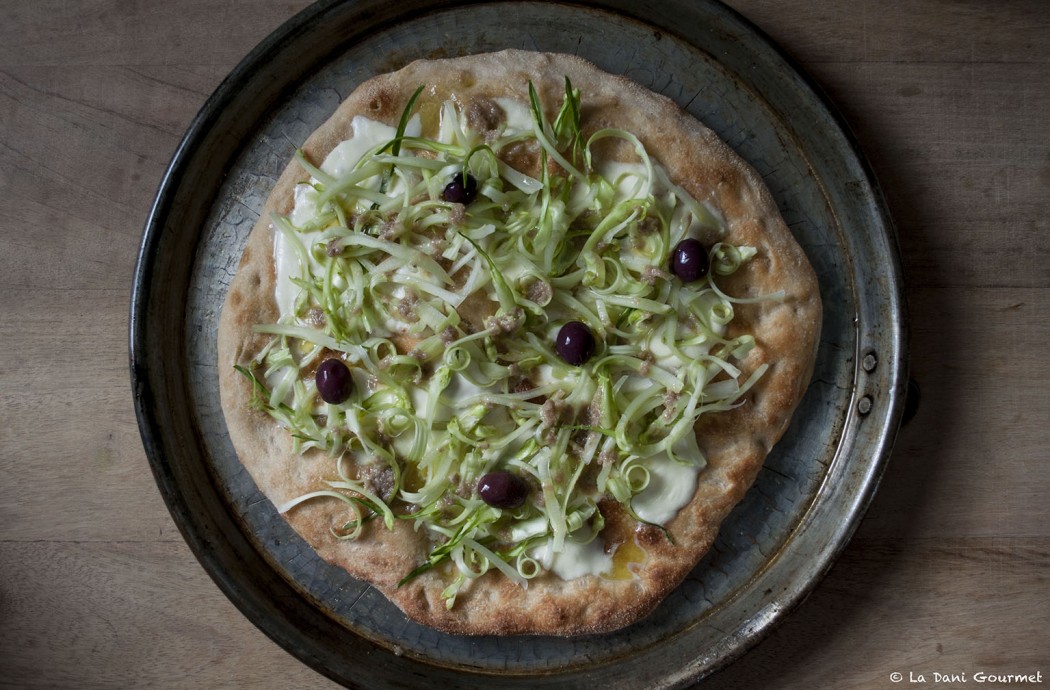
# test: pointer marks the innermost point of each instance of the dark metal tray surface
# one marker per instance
(774, 546)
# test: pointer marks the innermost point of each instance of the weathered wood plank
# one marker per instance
(923, 606)
(871, 31)
(964, 161)
(968, 463)
(73, 464)
(111, 32)
(198, 32)
(128, 614)
(85, 148)
(116, 614)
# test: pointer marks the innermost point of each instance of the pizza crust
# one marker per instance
(735, 442)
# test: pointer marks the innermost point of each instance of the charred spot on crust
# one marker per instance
(380, 102)
(649, 535)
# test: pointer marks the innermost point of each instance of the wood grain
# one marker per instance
(124, 613)
(849, 632)
(948, 572)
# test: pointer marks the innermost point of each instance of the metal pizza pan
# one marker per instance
(773, 548)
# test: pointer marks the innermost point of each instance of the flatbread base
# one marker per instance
(735, 442)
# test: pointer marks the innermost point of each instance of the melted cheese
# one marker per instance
(576, 559)
(627, 178)
(286, 266)
(367, 135)
(671, 487)
(519, 115)
(528, 528)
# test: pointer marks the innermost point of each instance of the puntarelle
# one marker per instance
(441, 276)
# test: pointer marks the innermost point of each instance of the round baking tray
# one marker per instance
(772, 549)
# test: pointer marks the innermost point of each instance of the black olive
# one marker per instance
(575, 343)
(503, 489)
(690, 261)
(334, 382)
(458, 192)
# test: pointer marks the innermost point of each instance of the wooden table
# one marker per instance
(949, 571)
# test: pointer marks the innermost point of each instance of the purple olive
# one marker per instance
(503, 489)
(459, 192)
(575, 343)
(334, 382)
(690, 261)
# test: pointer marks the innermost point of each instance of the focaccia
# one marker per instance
(485, 466)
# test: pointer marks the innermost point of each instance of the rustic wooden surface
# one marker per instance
(949, 571)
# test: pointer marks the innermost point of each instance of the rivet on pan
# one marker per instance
(870, 362)
(864, 405)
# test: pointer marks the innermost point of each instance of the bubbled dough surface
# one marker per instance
(735, 442)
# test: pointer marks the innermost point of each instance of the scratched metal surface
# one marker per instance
(775, 544)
